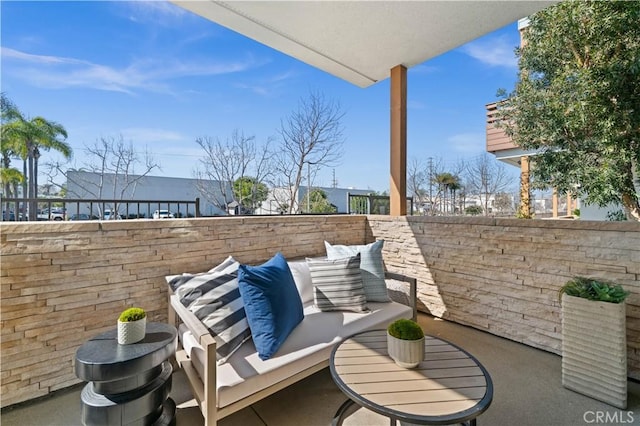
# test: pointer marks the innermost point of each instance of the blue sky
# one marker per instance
(161, 77)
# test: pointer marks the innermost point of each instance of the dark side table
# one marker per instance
(128, 384)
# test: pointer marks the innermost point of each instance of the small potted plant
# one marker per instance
(594, 339)
(405, 343)
(131, 326)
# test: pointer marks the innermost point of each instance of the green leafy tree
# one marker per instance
(26, 138)
(9, 148)
(473, 210)
(250, 193)
(381, 203)
(318, 202)
(577, 101)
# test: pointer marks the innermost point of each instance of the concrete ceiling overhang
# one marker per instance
(360, 41)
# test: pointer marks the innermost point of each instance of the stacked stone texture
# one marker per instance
(62, 283)
(503, 275)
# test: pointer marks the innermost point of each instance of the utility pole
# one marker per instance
(334, 183)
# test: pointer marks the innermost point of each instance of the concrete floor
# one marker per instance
(527, 391)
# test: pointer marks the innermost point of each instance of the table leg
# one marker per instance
(347, 408)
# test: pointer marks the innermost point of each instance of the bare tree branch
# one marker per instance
(114, 162)
(312, 135)
(225, 162)
(485, 177)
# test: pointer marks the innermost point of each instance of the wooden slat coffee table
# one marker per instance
(450, 386)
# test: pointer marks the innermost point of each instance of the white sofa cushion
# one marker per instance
(309, 344)
(302, 278)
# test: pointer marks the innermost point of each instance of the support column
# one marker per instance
(569, 204)
(398, 193)
(554, 203)
(525, 190)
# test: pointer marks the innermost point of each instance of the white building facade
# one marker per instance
(95, 186)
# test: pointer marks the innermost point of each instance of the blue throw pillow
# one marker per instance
(272, 303)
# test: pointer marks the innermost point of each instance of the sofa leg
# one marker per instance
(210, 394)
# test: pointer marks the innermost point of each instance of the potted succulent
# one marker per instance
(405, 343)
(132, 325)
(594, 339)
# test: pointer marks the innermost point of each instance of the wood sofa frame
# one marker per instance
(204, 389)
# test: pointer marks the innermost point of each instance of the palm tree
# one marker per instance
(9, 177)
(454, 186)
(444, 181)
(25, 138)
(47, 136)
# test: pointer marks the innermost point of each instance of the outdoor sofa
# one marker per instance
(223, 383)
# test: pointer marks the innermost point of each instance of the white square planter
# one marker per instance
(594, 349)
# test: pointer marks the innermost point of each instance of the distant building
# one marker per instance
(93, 186)
(86, 186)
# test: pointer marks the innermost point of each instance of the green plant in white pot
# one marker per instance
(405, 343)
(132, 325)
(594, 339)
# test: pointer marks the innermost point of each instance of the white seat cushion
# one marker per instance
(309, 344)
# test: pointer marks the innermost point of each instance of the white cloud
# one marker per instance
(158, 12)
(8, 53)
(467, 143)
(142, 75)
(493, 51)
(268, 86)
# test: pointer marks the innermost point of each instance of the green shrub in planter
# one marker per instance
(594, 340)
(592, 289)
(132, 325)
(405, 329)
(132, 314)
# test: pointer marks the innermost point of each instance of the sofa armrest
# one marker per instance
(413, 290)
(197, 328)
(203, 388)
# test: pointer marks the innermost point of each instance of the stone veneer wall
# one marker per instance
(62, 283)
(503, 275)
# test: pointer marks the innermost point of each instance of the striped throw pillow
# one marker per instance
(337, 284)
(371, 267)
(214, 298)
